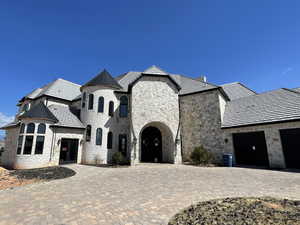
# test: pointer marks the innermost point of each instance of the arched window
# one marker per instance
(83, 99)
(41, 128)
(123, 106)
(99, 136)
(109, 140)
(111, 108)
(88, 133)
(30, 128)
(101, 104)
(22, 128)
(91, 101)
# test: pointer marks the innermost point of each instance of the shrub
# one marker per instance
(118, 159)
(201, 156)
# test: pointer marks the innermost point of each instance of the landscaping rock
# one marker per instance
(240, 211)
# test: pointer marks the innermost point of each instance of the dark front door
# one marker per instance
(251, 149)
(290, 140)
(68, 150)
(151, 145)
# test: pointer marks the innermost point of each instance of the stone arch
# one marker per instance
(168, 141)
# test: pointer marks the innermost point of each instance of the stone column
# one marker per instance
(275, 151)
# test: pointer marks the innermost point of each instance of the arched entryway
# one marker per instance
(151, 146)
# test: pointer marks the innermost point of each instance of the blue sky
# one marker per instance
(255, 42)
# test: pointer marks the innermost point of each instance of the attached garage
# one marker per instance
(251, 149)
(290, 140)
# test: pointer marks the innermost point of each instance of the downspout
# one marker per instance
(52, 143)
(134, 142)
(178, 129)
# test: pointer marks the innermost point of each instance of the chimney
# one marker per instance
(202, 78)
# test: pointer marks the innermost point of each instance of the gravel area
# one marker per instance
(240, 211)
(14, 178)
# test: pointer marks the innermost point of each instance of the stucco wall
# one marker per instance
(92, 152)
(200, 116)
(155, 99)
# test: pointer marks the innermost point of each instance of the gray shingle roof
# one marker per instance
(65, 117)
(10, 125)
(296, 89)
(103, 79)
(237, 90)
(39, 111)
(274, 106)
(59, 88)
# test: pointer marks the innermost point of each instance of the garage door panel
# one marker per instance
(290, 140)
(251, 149)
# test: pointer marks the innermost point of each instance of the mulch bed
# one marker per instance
(240, 211)
(14, 178)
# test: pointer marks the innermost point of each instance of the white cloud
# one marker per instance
(287, 70)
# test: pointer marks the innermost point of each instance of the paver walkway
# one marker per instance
(145, 194)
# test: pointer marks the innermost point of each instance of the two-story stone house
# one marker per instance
(152, 116)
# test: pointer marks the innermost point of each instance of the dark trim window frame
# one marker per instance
(123, 111)
(99, 136)
(20, 144)
(109, 140)
(30, 128)
(41, 128)
(28, 145)
(91, 102)
(83, 100)
(22, 128)
(39, 145)
(123, 144)
(111, 109)
(88, 133)
(101, 104)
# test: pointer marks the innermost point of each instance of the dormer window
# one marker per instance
(26, 107)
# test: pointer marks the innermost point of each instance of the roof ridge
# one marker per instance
(67, 81)
(191, 78)
(291, 90)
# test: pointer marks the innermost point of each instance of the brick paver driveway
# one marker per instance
(145, 194)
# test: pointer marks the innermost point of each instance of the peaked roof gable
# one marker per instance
(155, 70)
(237, 90)
(39, 111)
(103, 79)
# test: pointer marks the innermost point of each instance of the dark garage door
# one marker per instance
(290, 140)
(251, 149)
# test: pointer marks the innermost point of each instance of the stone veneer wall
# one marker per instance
(273, 140)
(200, 116)
(9, 155)
(93, 153)
(155, 102)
